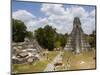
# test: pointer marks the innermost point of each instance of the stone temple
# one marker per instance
(77, 40)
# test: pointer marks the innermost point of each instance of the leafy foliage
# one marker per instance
(29, 34)
(20, 31)
(92, 39)
(48, 38)
(60, 40)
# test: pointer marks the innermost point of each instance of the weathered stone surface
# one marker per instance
(77, 41)
(25, 52)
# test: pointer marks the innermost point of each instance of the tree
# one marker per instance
(46, 37)
(57, 44)
(19, 31)
(29, 34)
(63, 40)
(40, 36)
(49, 39)
(92, 39)
(60, 40)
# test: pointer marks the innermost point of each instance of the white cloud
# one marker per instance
(78, 11)
(23, 15)
(92, 14)
(26, 17)
(62, 18)
(29, 19)
(50, 9)
(88, 26)
(58, 17)
(88, 23)
(35, 24)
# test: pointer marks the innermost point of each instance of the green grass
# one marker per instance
(74, 60)
(51, 55)
(38, 66)
(68, 58)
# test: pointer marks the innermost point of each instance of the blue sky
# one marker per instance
(34, 7)
(29, 6)
(53, 14)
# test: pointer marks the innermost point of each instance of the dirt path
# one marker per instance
(50, 66)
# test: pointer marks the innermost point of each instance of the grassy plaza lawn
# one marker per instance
(84, 60)
(38, 66)
(71, 61)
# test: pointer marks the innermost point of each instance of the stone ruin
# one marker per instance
(25, 52)
(77, 40)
